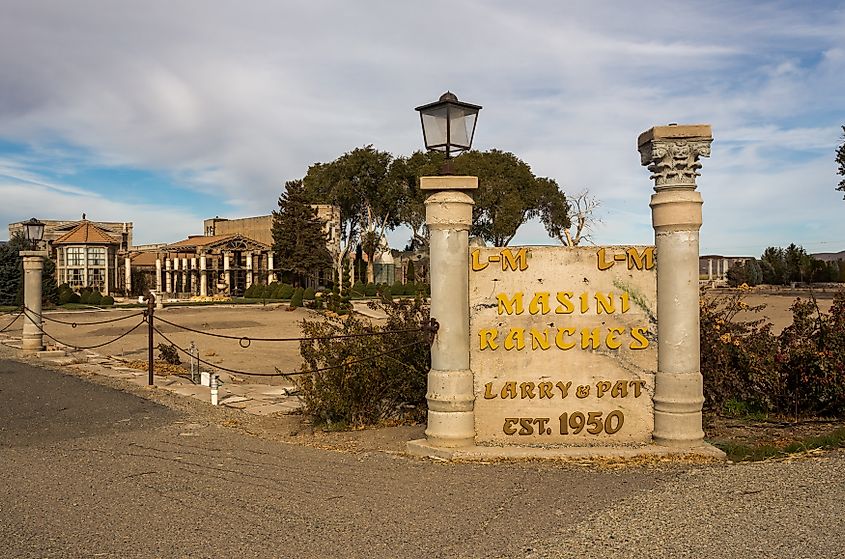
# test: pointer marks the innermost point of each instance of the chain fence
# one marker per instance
(148, 317)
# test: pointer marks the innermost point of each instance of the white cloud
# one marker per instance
(234, 98)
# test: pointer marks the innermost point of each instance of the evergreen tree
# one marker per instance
(11, 274)
(298, 238)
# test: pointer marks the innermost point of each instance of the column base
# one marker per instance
(636, 455)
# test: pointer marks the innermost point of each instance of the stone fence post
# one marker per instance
(32, 338)
(450, 394)
(672, 155)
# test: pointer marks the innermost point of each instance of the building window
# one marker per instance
(97, 278)
(75, 256)
(96, 256)
(76, 278)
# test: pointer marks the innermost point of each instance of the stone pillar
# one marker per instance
(184, 274)
(158, 275)
(203, 276)
(451, 421)
(226, 277)
(33, 266)
(127, 274)
(168, 275)
(194, 280)
(271, 273)
(725, 267)
(672, 155)
(248, 270)
(710, 269)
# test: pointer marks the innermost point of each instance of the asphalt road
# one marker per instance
(89, 471)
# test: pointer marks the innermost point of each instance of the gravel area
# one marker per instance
(790, 509)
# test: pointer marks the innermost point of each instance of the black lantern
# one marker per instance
(448, 124)
(33, 231)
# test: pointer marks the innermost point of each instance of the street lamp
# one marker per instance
(448, 124)
(33, 231)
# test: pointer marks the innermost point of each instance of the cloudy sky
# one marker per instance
(164, 113)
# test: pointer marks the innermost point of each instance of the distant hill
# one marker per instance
(829, 256)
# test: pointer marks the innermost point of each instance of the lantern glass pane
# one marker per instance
(462, 125)
(434, 127)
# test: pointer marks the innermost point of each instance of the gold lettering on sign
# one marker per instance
(509, 260)
(634, 258)
(565, 338)
(528, 390)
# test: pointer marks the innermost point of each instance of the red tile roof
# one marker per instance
(86, 233)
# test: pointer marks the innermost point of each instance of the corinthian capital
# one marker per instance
(672, 153)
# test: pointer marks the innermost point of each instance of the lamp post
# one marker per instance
(32, 338)
(448, 126)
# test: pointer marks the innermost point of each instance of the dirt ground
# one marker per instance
(777, 301)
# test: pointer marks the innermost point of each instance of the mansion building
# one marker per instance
(229, 257)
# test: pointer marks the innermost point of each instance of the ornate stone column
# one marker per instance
(127, 277)
(168, 275)
(203, 276)
(226, 275)
(33, 266)
(672, 155)
(451, 421)
(249, 269)
(158, 274)
(710, 269)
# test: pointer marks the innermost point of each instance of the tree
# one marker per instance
(368, 194)
(11, 274)
(298, 238)
(840, 160)
(574, 211)
(773, 264)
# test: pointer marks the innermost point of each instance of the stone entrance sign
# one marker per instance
(570, 351)
(563, 345)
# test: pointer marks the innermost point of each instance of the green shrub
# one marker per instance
(423, 289)
(398, 288)
(296, 298)
(286, 291)
(308, 294)
(410, 273)
(90, 297)
(107, 301)
(353, 393)
(410, 289)
(386, 293)
(67, 296)
(370, 290)
(250, 292)
(358, 290)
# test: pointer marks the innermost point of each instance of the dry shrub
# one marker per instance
(352, 392)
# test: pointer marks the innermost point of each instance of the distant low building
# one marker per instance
(714, 267)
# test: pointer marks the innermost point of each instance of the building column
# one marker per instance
(271, 273)
(158, 274)
(725, 268)
(203, 276)
(32, 338)
(249, 269)
(107, 286)
(194, 278)
(185, 273)
(168, 275)
(127, 274)
(226, 275)
(672, 155)
(448, 211)
(710, 269)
